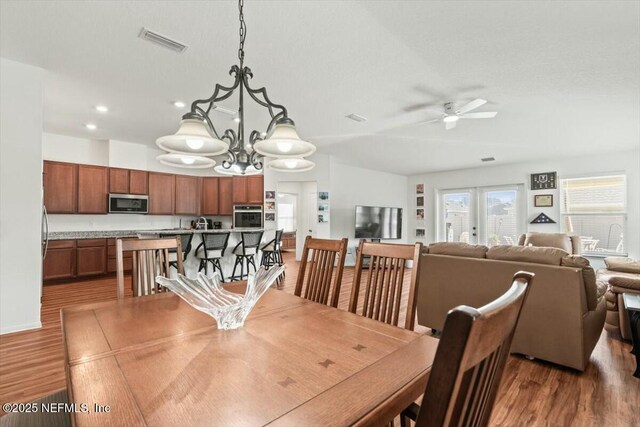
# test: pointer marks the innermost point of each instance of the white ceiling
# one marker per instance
(564, 76)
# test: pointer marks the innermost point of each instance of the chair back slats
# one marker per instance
(321, 267)
(215, 241)
(150, 258)
(384, 281)
(471, 358)
(251, 239)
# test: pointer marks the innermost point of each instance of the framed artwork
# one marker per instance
(544, 181)
(543, 200)
(323, 207)
(270, 206)
(270, 217)
(323, 195)
(420, 214)
(420, 232)
(269, 195)
(419, 188)
(420, 201)
(323, 218)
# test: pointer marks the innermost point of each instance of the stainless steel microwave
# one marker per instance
(247, 216)
(128, 203)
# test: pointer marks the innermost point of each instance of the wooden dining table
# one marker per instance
(156, 361)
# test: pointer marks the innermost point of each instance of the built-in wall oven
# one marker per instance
(128, 203)
(247, 216)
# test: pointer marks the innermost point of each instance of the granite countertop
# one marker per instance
(109, 234)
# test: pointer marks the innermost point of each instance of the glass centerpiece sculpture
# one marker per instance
(228, 308)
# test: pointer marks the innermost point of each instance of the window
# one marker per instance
(287, 212)
(595, 208)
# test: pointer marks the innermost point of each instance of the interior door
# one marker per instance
(457, 220)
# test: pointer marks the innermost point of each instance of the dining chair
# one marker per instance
(318, 267)
(384, 281)
(469, 362)
(185, 242)
(150, 258)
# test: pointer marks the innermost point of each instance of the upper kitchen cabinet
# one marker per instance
(209, 204)
(161, 193)
(119, 181)
(255, 185)
(239, 190)
(138, 182)
(93, 189)
(225, 196)
(60, 185)
(186, 195)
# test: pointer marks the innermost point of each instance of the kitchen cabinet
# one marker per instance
(225, 196)
(138, 182)
(91, 257)
(255, 185)
(93, 189)
(288, 240)
(161, 193)
(209, 203)
(60, 186)
(60, 261)
(119, 181)
(186, 195)
(239, 190)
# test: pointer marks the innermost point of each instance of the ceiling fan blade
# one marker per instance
(449, 125)
(424, 122)
(472, 105)
(482, 115)
(416, 107)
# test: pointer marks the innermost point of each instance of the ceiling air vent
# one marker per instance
(488, 159)
(160, 40)
(356, 117)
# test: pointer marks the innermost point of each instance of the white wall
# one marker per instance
(20, 196)
(628, 162)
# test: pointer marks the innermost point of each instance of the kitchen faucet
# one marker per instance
(201, 221)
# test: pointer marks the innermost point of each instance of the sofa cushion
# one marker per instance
(621, 283)
(593, 290)
(626, 265)
(537, 255)
(458, 249)
(549, 240)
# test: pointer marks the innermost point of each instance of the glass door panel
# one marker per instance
(499, 221)
(457, 215)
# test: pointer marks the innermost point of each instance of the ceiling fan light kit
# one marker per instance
(451, 114)
(244, 154)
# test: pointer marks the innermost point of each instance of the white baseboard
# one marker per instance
(18, 328)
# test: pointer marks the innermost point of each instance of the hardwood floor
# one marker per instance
(533, 393)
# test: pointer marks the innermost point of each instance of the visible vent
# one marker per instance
(224, 110)
(160, 40)
(356, 117)
(488, 159)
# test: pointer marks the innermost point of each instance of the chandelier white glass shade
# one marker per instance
(291, 165)
(244, 150)
(284, 142)
(186, 161)
(235, 170)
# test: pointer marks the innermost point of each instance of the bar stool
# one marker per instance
(271, 254)
(185, 241)
(246, 250)
(211, 250)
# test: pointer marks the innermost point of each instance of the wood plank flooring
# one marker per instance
(533, 393)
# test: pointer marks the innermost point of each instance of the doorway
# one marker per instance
(297, 207)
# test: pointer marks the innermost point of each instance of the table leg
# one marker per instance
(634, 323)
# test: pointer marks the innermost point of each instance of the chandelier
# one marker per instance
(197, 139)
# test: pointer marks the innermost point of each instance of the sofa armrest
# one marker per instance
(621, 284)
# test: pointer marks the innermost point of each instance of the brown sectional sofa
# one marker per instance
(563, 317)
(622, 275)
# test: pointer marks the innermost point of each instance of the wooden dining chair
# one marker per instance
(470, 360)
(385, 281)
(150, 258)
(319, 275)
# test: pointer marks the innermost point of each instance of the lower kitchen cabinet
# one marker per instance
(60, 260)
(112, 262)
(91, 257)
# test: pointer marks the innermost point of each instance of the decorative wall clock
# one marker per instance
(543, 181)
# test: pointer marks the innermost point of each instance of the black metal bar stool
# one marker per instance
(246, 250)
(185, 241)
(211, 250)
(271, 254)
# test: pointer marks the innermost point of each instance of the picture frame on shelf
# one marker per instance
(543, 200)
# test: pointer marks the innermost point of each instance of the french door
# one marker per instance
(482, 215)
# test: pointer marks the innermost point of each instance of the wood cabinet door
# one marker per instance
(60, 183)
(118, 181)
(210, 204)
(91, 261)
(60, 262)
(186, 198)
(161, 193)
(254, 189)
(138, 182)
(239, 190)
(93, 189)
(225, 196)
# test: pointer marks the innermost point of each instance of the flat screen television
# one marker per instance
(375, 222)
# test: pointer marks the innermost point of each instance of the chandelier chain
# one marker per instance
(243, 32)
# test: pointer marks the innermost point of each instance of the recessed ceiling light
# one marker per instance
(179, 104)
(91, 126)
(101, 108)
(356, 117)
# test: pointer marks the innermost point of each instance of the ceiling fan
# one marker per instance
(452, 114)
